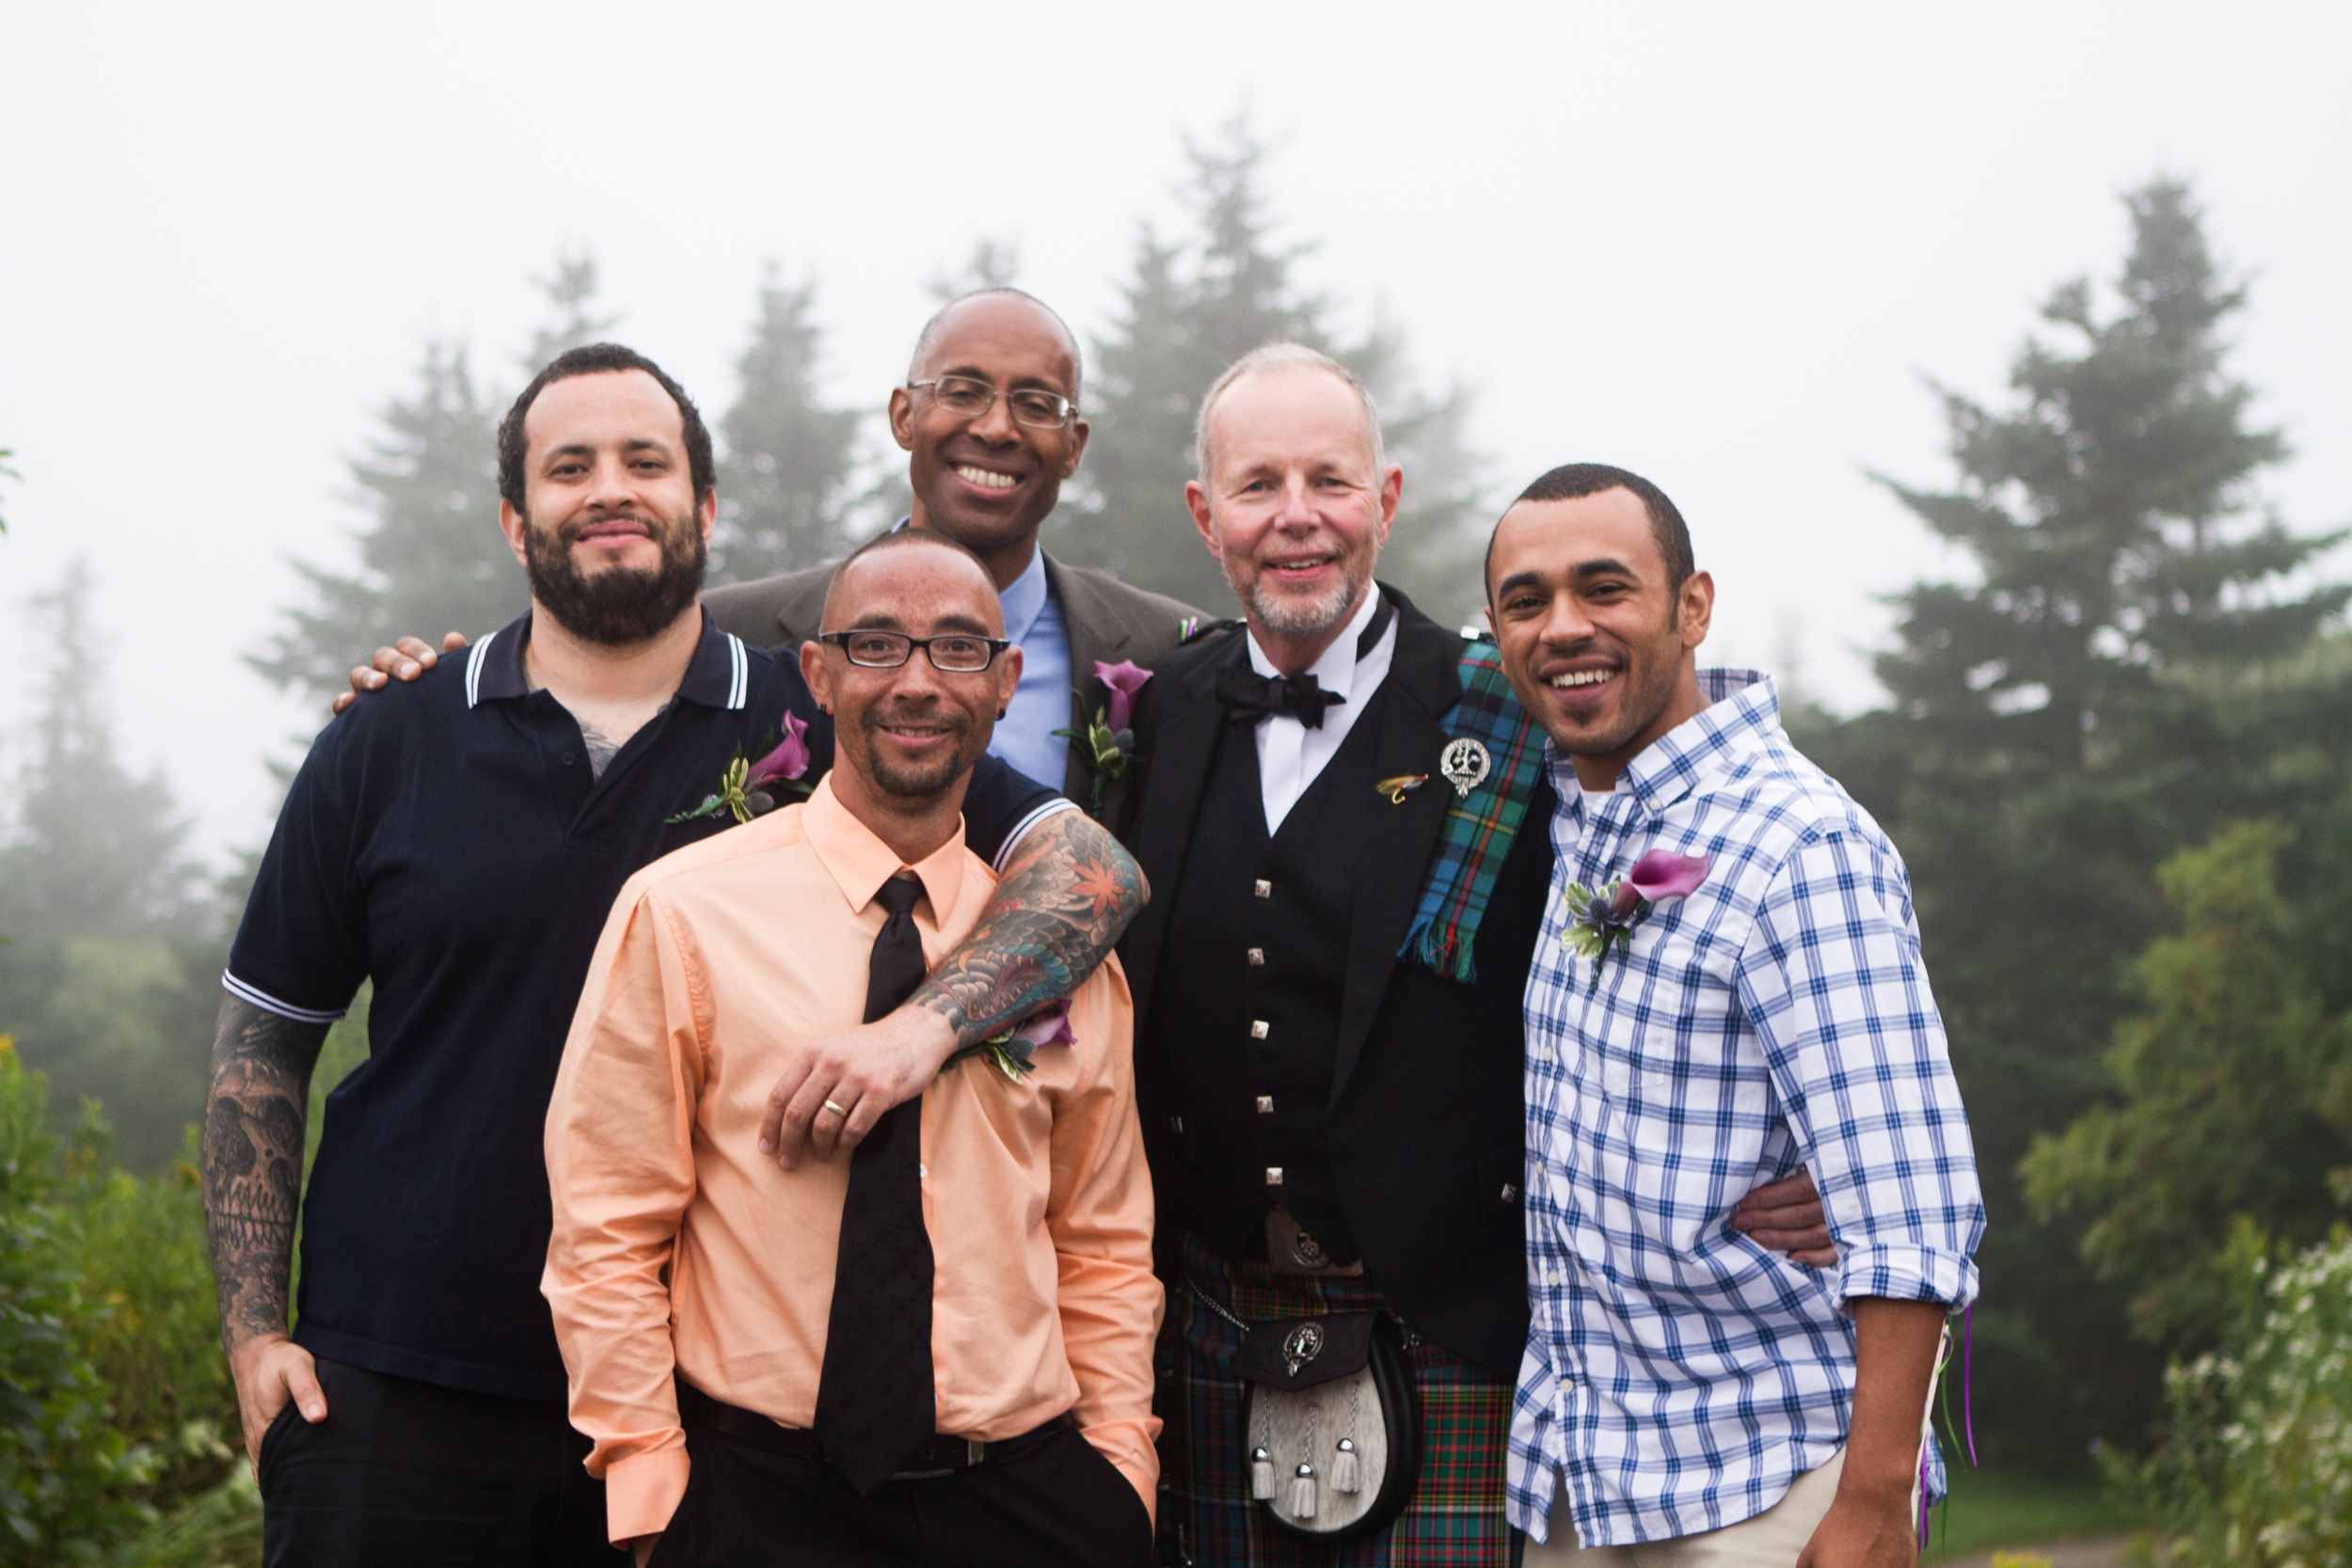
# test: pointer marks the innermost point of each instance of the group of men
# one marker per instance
(761, 1156)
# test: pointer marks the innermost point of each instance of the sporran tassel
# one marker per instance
(1303, 1492)
(1344, 1474)
(1261, 1475)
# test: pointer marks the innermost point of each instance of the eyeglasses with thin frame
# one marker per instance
(968, 398)
(958, 653)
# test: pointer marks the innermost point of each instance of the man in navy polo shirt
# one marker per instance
(458, 842)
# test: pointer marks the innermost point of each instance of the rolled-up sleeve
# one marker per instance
(1833, 982)
(621, 1173)
(1100, 1216)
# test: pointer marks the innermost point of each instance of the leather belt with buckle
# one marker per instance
(1291, 1250)
(934, 1457)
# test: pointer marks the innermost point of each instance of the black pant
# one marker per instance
(402, 1472)
(1057, 1501)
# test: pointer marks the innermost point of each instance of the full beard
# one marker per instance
(620, 604)
(1293, 615)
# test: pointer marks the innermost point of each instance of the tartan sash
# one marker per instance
(1478, 832)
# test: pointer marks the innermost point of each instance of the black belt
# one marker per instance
(936, 1456)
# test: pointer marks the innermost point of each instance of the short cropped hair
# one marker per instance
(898, 539)
(1286, 357)
(930, 335)
(593, 359)
(1575, 481)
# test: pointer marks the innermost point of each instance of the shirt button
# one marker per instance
(1264, 888)
(1266, 1104)
(568, 759)
(1175, 1124)
(1510, 1193)
(1257, 1029)
(1274, 1175)
(1257, 956)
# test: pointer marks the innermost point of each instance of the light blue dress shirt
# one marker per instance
(1024, 736)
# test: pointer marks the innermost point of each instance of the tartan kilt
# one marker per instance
(1206, 1515)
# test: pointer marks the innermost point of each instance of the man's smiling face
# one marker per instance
(615, 538)
(988, 480)
(1597, 646)
(1297, 506)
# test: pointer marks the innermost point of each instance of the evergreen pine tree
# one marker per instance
(573, 320)
(106, 975)
(432, 559)
(783, 480)
(1191, 308)
(2097, 699)
(2105, 513)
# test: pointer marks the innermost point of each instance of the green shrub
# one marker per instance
(116, 1418)
(2256, 1471)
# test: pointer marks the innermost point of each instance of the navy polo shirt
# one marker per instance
(446, 839)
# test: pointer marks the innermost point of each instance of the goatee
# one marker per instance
(620, 604)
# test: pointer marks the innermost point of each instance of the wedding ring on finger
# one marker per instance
(836, 1110)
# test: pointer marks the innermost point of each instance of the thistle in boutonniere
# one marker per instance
(1110, 741)
(749, 789)
(1012, 1049)
(1607, 918)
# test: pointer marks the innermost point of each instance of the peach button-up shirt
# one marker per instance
(721, 964)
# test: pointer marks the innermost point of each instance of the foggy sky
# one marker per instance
(1719, 248)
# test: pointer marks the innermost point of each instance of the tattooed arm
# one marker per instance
(253, 1125)
(1067, 894)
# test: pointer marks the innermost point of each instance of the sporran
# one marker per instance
(1332, 1421)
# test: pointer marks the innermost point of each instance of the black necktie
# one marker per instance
(1252, 696)
(875, 1401)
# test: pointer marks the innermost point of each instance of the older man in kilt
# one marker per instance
(1327, 797)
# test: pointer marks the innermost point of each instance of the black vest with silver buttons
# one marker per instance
(1250, 989)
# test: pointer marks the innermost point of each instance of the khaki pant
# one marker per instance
(1771, 1540)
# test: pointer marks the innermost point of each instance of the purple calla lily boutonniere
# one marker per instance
(748, 789)
(1110, 740)
(1607, 918)
(1012, 1049)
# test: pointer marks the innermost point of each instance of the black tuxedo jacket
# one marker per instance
(1425, 1128)
(1106, 620)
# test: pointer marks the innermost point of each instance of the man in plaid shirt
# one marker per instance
(1687, 1396)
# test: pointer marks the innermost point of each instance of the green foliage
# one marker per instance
(112, 1391)
(2130, 670)
(1193, 307)
(106, 978)
(2256, 1471)
(2220, 1116)
(783, 484)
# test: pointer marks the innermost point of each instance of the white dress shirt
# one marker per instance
(1290, 755)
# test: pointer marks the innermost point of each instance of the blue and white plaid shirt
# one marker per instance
(1678, 1377)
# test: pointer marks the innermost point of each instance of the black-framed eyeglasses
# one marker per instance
(955, 653)
(969, 398)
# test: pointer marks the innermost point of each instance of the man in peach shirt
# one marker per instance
(750, 1400)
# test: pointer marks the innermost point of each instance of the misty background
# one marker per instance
(1993, 356)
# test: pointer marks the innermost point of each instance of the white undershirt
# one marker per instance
(1290, 756)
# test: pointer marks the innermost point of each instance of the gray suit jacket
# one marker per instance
(1106, 620)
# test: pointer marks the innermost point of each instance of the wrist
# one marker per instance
(945, 1029)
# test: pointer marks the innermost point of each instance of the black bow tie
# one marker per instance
(1252, 696)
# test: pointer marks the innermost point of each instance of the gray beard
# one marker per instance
(1304, 618)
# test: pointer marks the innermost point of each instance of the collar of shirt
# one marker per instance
(859, 861)
(1024, 599)
(719, 674)
(1290, 756)
(1741, 705)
